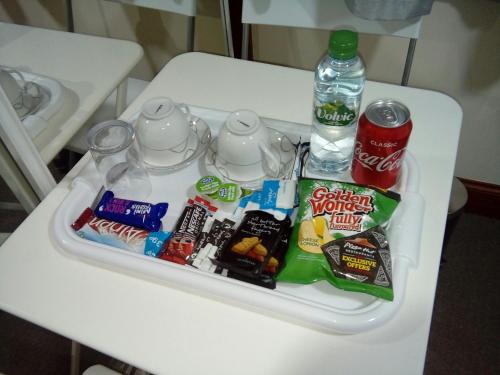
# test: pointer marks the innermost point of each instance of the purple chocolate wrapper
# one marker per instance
(138, 214)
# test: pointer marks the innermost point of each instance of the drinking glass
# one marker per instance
(117, 157)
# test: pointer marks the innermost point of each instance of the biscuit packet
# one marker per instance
(330, 211)
(252, 252)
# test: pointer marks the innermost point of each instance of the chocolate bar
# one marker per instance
(138, 214)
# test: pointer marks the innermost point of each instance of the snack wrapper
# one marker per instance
(331, 216)
(250, 254)
(189, 226)
(122, 236)
(138, 214)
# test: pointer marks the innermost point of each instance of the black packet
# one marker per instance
(362, 262)
(250, 253)
(273, 266)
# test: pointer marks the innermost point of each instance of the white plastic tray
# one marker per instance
(317, 305)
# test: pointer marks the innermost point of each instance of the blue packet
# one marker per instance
(155, 242)
(271, 195)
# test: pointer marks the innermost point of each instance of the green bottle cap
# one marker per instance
(343, 44)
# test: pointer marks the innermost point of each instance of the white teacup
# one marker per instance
(244, 150)
(164, 131)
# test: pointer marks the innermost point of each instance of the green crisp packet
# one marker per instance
(338, 236)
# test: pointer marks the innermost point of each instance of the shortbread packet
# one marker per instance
(329, 211)
(251, 253)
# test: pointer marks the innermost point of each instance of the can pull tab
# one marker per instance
(389, 115)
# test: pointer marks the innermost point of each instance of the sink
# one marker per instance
(51, 106)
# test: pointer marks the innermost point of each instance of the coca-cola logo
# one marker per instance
(379, 163)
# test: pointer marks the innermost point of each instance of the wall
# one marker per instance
(48, 14)
(458, 53)
(163, 35)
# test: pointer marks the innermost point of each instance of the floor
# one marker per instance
(464, 332)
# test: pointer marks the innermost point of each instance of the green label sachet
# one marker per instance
(339, 236)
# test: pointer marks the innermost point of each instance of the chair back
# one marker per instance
(184, 7)
(322, 14)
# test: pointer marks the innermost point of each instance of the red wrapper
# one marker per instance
(187, 230)
(109, 232)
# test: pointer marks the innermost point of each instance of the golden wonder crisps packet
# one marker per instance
(338, 236)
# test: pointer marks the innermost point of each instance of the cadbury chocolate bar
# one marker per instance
(138, 214)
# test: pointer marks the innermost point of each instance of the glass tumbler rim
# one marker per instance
(120, 144)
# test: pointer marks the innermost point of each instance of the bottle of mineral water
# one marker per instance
(338, 84)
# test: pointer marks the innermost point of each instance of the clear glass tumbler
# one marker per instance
(116, 155)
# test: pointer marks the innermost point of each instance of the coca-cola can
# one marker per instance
(383, 132)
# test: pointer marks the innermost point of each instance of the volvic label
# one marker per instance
(334, 114)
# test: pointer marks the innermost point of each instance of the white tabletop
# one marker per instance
(165, 330)
(91, 67)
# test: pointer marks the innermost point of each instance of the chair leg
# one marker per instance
(75, 358)
(121, 97)
(190, 34)
(226, 27)
(408, 62)
(245, 37)
(16, 182)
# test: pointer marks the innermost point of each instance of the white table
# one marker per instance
(90, 67)
(165, 330)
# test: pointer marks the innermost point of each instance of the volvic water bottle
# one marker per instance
(338, 85)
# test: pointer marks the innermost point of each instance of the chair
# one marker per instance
(188, 8)
(25, 155)
(325, 15)
(183, 7)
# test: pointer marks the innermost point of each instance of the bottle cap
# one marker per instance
(343, 44)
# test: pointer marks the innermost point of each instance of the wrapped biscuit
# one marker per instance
(251, 253)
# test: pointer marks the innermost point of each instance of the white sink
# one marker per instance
(55, 106)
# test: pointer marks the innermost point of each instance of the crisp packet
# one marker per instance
(115, 234)
(329, 211)
(138, 214)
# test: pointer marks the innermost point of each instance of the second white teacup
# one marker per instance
(244, 149)
(164, 131)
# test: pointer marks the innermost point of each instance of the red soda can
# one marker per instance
(383, 132)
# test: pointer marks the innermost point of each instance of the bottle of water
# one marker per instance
(338, 84)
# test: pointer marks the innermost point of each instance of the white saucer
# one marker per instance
(198, 142)
(285, 151)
